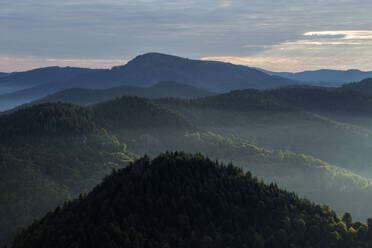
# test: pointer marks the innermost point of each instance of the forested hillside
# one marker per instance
(287, 119)
(62, 150)
(50, 153)
(182, 200)
(147, 128)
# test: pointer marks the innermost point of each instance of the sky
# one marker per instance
(278, 35)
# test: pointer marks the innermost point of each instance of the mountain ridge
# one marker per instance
(144, 71)
(324, 76)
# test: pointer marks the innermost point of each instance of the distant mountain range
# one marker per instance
(147, 70)
(10, 82)
(310, 97)
(323, 77)
(143, 71)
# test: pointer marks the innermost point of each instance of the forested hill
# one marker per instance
(182, 200)
(138, 113)
(49, 118)
(50, 153)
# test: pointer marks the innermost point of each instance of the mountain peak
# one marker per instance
(150, 68)
(148, 57)
(156, 57)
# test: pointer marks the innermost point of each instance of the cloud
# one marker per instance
(346, 49)
(225, 4)
(345, 34)
(297, 64)
(192, 28)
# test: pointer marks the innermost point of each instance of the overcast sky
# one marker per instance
(280, 35)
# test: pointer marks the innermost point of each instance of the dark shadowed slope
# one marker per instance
(182, 200)
(149, 69)
(362, 86)
(330, 77)
(90, 96)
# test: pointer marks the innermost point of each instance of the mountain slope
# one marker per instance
(181, 200)
(267, 120)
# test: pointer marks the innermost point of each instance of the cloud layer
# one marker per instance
(120, 29)
(343, 49)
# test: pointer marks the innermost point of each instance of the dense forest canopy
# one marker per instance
(183, 200)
